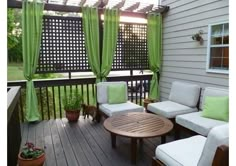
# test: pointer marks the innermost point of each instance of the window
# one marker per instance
(218, 48)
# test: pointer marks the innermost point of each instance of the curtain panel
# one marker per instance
(32, 13)
(154, 41)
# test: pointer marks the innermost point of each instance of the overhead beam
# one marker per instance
(63, 8)
(119, 5)
(65, 2)
(103, 3)
(133, 7)
(146, 9)
(96, 4)
(82, 2)
(160, 9)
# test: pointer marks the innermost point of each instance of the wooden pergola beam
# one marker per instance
(119, 5)
(103, 3)
(133, 7)
(65, 2)
(146, 9)
(66, 8)
(82, 2)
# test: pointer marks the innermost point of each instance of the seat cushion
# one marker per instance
(113, 109)
(169, 109)
(184, 93)
(218, 136)
(195, 122)
(183, 152)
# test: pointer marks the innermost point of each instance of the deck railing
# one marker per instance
(13, 125)
(51, 92)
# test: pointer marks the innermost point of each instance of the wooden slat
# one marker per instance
(77, 147)
(104, 161)
(101, 140)
(58, 148)
(93, 161)
(50, 159)
(66, 144)
(85, 143)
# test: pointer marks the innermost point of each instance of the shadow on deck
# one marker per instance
(84, 143)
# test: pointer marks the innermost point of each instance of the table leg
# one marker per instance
(133, 150)
(113, 140)
(163, 139)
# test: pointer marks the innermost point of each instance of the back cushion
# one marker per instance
(185, 93)
(217, 136)
(211, 91)
(102, 92)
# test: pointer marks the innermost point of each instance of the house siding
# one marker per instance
(184, 59)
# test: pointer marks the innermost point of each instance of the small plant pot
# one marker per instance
(72, 116)
(39, 161)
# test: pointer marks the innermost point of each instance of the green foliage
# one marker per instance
(41, 99)
(73, 101)
(45, 76)
(14, 35)
(30, 152)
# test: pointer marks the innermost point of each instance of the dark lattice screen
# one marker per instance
(62, 45)
(131, 50)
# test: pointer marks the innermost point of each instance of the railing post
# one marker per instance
(13, 125)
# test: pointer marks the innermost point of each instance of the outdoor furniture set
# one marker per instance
(209, 147)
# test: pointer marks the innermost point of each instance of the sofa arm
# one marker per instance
(221, 157)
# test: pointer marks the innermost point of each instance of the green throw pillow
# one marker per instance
(216, 108)
(116, 93)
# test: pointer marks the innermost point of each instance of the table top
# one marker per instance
(138, 125)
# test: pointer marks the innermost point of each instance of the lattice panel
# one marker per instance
(62, 45)
(131, 51)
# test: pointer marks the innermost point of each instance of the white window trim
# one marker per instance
(209, 49)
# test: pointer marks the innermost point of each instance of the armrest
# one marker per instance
(221, 157)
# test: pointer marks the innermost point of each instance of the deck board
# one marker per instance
(85, 143)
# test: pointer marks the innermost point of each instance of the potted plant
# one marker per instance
(72, 106)
(31, 155)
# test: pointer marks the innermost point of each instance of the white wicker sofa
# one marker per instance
(196, 151)
(194, 121)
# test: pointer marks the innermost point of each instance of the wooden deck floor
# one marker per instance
(84, 143)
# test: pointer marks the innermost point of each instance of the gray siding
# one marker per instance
(185, 59)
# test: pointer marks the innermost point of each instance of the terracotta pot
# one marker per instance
(39, 161)
(72, 116)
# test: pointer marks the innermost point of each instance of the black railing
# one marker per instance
(13, 125)
(51, 92)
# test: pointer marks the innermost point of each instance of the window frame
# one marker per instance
(208, 69)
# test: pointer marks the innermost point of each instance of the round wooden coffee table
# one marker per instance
(137, 125)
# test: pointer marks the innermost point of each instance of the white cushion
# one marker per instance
(195, 122)
(210, 91)
(185, 93)
(102, 91)
(169, 109)
(113, 109)
(218, 136)
(185, 152)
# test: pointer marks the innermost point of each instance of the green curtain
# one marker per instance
(110, 34)
(32, 13)
(91, 32)
(154, 41)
